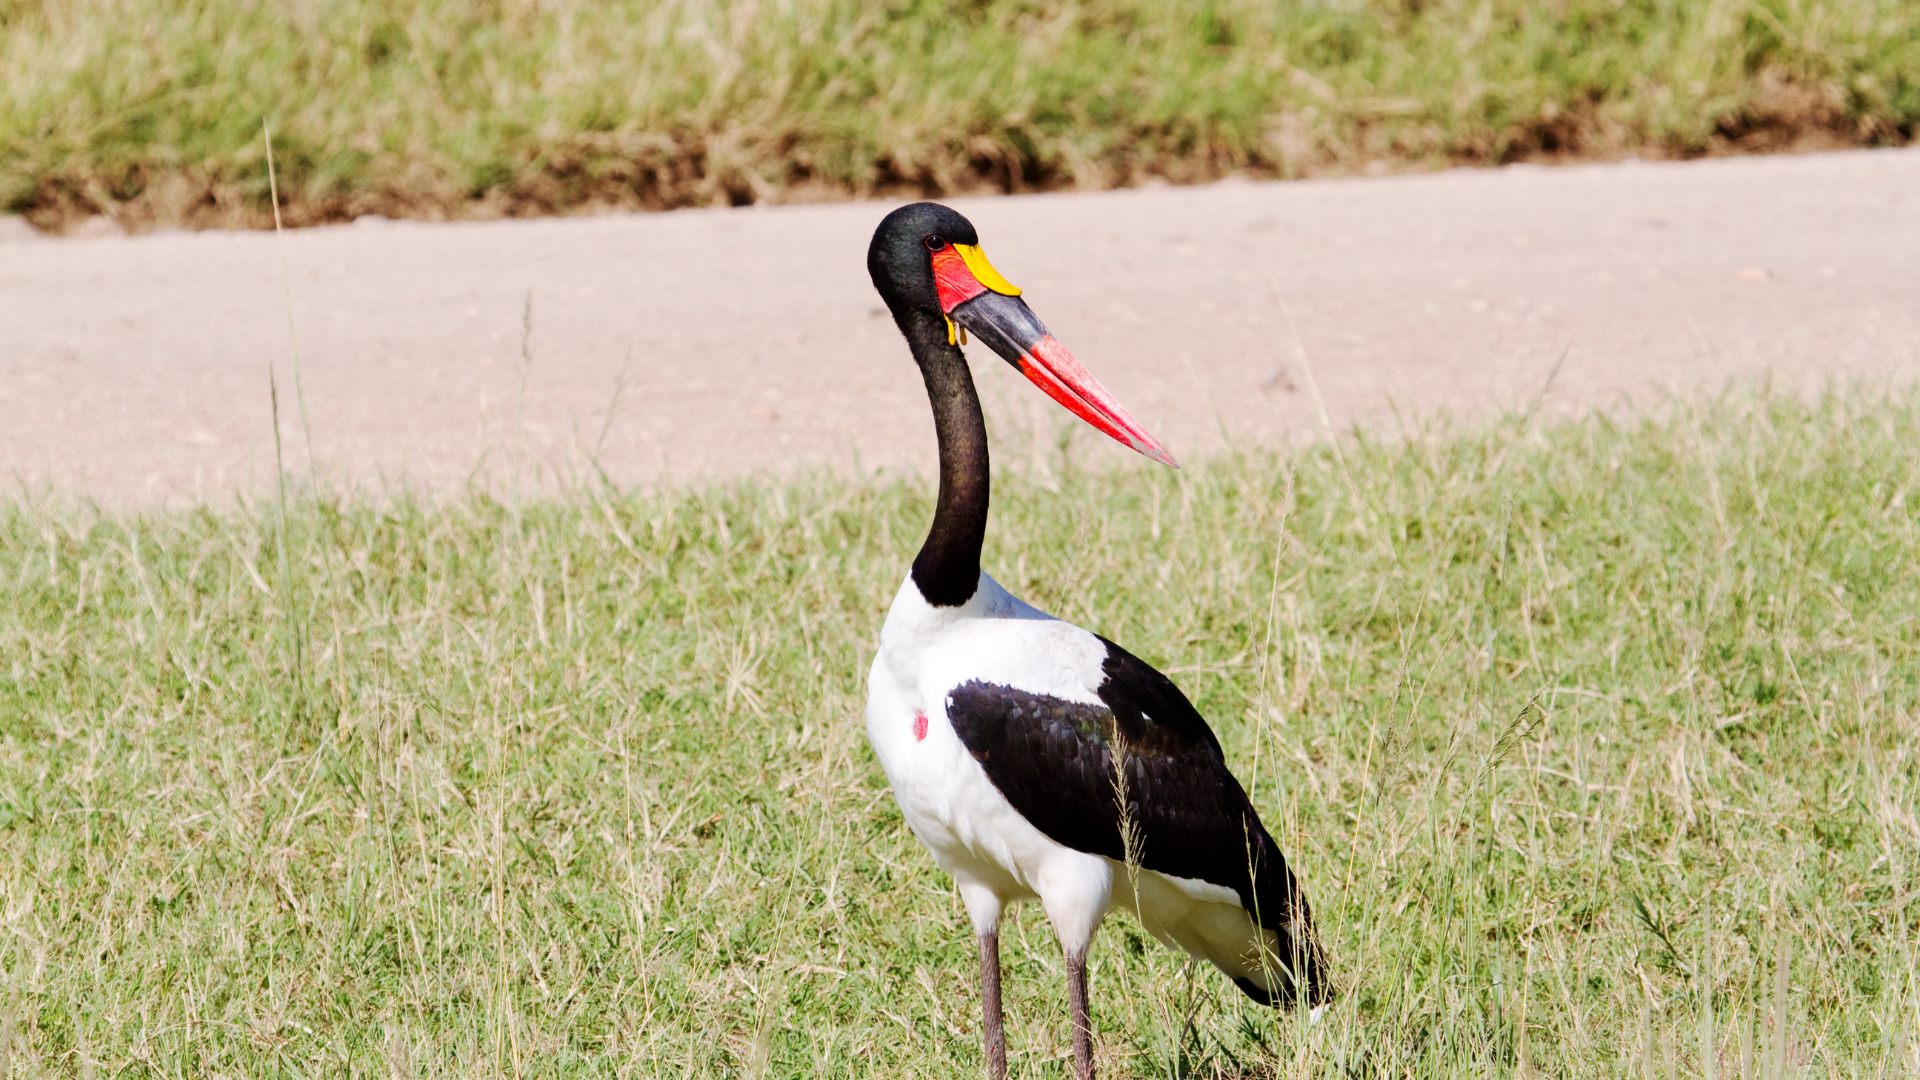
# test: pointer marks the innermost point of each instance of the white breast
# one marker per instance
(993, 852)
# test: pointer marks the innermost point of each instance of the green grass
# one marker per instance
(151, 110)
(1572, 733)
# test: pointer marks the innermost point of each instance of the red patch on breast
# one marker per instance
(919, 727)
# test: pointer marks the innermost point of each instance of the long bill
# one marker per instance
(1006, 325)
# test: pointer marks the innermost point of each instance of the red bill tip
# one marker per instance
(1054, 370)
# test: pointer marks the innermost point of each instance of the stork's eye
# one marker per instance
(935, 243)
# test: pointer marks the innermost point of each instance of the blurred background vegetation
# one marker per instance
(150, 111)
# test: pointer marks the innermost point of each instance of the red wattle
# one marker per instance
(956, 283)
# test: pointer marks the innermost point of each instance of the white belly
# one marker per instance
(997, 857)
(994, 854)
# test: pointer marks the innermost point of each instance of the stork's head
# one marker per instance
(926, 261)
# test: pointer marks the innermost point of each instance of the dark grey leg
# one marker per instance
(1082, 1019)
(990, 1005)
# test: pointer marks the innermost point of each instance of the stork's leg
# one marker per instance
(1076, 889)
(1082, 1018)
(984, 907)
(990, 1005)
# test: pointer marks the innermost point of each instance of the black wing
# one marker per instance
(1054, 761)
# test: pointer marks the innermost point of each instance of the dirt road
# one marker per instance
(709, 344)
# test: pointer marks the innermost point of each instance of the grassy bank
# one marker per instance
(151, 110)
(1596, 746)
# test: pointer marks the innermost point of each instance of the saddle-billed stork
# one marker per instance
(1031, 757)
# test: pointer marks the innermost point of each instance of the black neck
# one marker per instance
(947, 570)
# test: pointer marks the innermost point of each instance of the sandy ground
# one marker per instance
(682, 347)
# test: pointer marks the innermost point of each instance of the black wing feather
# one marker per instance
(1053, 760)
